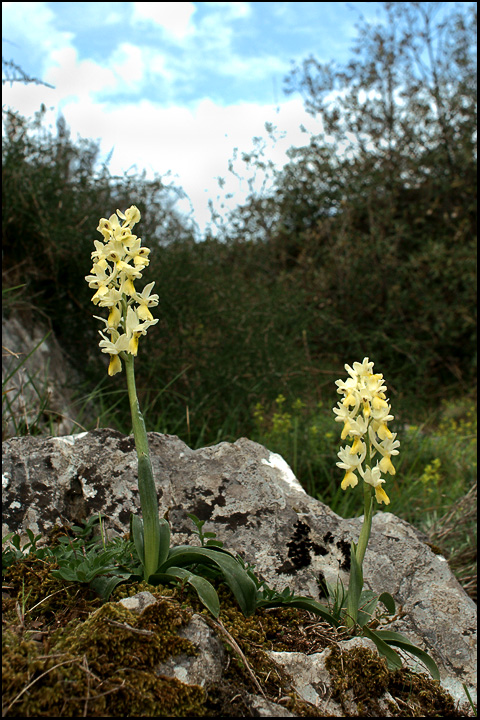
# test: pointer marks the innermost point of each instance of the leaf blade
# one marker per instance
(237, 579)
(205, 590)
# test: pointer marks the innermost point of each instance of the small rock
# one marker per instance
(137, 603)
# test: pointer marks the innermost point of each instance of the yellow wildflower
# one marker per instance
(365, 412)
(118, 262)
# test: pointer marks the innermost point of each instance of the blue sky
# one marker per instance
(175, 87)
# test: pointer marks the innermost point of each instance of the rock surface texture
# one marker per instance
(252, 500)
(37, 378)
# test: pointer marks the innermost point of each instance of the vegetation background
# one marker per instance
(365, 245)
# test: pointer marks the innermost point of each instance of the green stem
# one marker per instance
(367, 523)
(146, 483)
(355, 585)
(367, 513)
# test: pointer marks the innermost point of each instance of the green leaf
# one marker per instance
(205, 590)
(367, 605)
(104, 586)
(388, 601)
(65, 574)
(355, 587)
(147, 491)
(365, 615)
(239, 582)
(214, 543)
(472, 704)
(298, 601)
(340, 597)
(394, 638)
(394, 661)
(136, 529)
(164, 541)
(199, 523)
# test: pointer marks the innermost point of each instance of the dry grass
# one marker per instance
(449, 534)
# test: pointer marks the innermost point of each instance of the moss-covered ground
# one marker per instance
(67, 654)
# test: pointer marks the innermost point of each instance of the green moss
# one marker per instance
(73, 657)
(367, 677)
(42, 595)
(423, 696)
(110, 633)
(360, 671)
(280, 629)
(103, 666)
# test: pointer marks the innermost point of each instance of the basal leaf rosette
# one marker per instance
(118, 262)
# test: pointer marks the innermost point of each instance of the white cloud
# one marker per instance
(79, 78)
(234, 10)
(174, 17)
(31, 26)
(195, 141)
(28, 20)
(127, 62)
(255, 68)
(194, 144)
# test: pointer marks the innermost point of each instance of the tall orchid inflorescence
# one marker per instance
(365, 413)
(117, 262)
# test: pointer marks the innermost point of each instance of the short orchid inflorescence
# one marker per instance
(117, 262)
(365, 413)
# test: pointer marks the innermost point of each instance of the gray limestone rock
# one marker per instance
(250, 497)
(37, 379)
(204, 669)
(312, 680)
(137, 603)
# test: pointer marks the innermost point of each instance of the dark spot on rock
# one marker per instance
(298, 549)
(202, 509)
(15, 514)
(235, 520)
(124, 517)
(39, 487)
(286, 568)
(48, 462)
(75, 507)
(89, 474)
(107, 433)
(219, 501)
(126, 444)
(318, 549)
(299, 546)
(328, 538)
(344, 548)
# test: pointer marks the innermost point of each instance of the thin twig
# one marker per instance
(49, 596)
(126, 626)
(219, 626)
(65, 662)
(86, 668)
